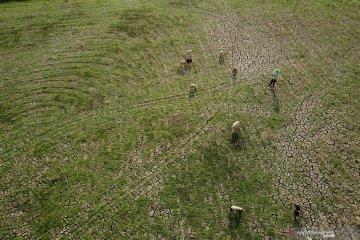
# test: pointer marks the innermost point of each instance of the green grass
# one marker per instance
(97, 128)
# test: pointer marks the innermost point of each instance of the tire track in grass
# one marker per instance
(158, 100)
(147, 102)
(150, 181)
(122, 109)
(133, 189)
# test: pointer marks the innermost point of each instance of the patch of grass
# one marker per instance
(43, 149)
(140, 23)
(275, 121)
(97, 127)
(7, 112)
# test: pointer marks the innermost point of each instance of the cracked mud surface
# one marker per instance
(297, 144)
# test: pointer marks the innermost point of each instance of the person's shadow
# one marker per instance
(234, 220)
(276, 102)
(191, 95)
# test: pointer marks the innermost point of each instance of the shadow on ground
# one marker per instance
(234, 221)
(238, 140)
(276, 102)
(235, 228)
(7, 1)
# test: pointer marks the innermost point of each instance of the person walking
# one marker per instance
(275, 76)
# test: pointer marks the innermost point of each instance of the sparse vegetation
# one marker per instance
(100, 140)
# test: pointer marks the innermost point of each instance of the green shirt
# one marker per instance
(277, 72)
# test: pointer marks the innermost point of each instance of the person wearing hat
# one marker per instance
(275, 76)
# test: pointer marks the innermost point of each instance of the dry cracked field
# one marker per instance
(100, 140)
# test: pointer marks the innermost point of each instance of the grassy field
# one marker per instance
(99, 138)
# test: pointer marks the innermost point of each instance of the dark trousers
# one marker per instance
(272, 83)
